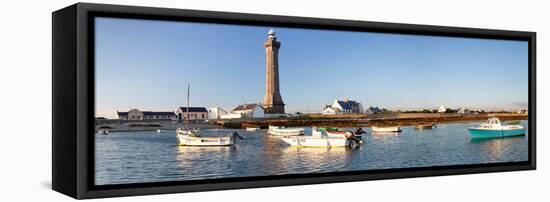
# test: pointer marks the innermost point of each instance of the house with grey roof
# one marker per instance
(344, 107)
(252, 110)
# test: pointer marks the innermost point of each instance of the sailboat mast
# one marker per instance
(187, 111)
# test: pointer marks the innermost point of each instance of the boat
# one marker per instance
(253, 129)
(392, 129)
(284, 131)
(103, 132)
(194, 137)
(493, 128)
(426, 126)
(319, 138)
(160, 131)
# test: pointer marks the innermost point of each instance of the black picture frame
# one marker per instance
(73, 100)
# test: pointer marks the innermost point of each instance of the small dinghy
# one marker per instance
(392, 129)
(319, 138)
(284, 131)
(493, 128)
(103, 132)
(426, 126)
(252, 129)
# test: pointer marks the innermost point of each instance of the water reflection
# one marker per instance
(385, 133)
(498, 148)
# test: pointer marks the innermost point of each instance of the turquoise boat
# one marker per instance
(493, 129)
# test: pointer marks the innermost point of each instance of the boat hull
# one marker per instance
(316, 142)
(492, 133)
(421, 127)
(184, 139)
(394, 129)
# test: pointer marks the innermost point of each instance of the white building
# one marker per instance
(245, 111)
(344, 107)
(442, 109)
(464, 111)
(331, 110)
(216, 113)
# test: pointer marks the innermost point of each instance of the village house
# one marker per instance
(442, 109)
(344, 107)
(374, 110)
(195, 113)
(246, 111)
(216, 113)
(464, 111)
(136, 114)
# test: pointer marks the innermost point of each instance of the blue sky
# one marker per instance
(147, 64)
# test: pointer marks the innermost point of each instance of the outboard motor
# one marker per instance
(235, 134)
(356, 141)
(360, 131)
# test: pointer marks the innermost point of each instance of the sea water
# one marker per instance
(140, 157)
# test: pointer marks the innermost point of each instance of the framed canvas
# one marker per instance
(157, 100)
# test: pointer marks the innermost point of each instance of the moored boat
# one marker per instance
(194, 138)
(493, 128)
(284, 131)
(103, 132)
(426, 126)
(391, 129)
(252, 129)
(319, 138)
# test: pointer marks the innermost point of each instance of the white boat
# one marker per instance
(284, 131)
(252, 129)
(194, 138)
(392, 129)
(103, 132)
(319, 138)
(493, 128)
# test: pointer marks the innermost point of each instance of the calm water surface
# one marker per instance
(137, 157)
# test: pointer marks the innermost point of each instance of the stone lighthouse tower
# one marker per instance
(273, 102)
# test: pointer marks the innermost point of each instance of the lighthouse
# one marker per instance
(273, 102)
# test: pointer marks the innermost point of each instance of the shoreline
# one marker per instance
(352, 120)
(403, 119)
